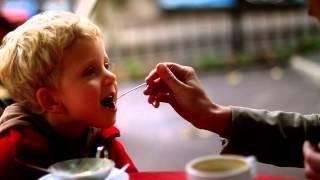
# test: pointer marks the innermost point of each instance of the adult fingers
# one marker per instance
(311, 161)
(310, 173)
(311, 156)
(168, 77)
(155, 87)
(151, 76)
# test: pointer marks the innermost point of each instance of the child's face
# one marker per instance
(88, 89)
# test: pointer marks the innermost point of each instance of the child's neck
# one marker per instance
(69, 131)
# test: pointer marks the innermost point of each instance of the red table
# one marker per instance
(182, 176)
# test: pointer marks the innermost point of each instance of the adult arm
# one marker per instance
(274, 137)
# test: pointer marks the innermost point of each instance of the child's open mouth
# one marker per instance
(108, 102)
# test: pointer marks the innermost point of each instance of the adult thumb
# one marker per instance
(168, 77)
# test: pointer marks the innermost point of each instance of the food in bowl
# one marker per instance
(82, 168)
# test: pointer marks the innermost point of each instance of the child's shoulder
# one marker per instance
(16, 116)
(22, 125)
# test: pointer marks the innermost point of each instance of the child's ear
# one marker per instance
(48, 101)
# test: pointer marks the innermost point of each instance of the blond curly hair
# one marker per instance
(30, 56)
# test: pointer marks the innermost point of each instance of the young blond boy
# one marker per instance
(56, 69)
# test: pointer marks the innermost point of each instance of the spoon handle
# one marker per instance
(124, 168)
(137, 87)
(32, 166)
(115, 175)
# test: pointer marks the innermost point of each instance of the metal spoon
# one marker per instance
(117, 173)
(135, 88)
(102, 152)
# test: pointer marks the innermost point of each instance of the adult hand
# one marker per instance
(180, 86)
(311, 161)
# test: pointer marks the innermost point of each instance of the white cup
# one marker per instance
(221, 167)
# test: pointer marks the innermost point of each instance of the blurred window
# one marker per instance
(57, 5)
(208, 4)
(18, 11)
(198, 4)
(277, 2)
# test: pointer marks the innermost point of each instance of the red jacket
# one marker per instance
(29, 138)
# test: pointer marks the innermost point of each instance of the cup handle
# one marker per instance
(251, 160)
(224, 142)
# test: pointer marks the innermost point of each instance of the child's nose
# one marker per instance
(109, 77)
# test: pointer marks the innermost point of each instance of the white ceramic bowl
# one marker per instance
(82, 168)
(221, 167)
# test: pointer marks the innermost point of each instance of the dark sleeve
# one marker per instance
(274, 137)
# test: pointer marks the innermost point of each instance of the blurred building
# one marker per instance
(162, 30)
(15, 12)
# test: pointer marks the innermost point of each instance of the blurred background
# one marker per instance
(247, 53)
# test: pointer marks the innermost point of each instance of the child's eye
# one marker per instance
(107, 65)
(89, 71)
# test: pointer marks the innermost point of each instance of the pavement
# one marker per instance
(308, 66)
(159, 139)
